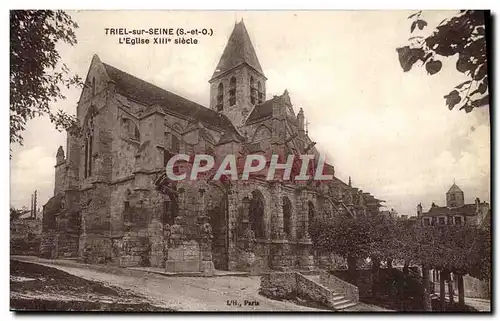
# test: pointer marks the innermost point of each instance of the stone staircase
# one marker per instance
(338, 302)
(321, 288)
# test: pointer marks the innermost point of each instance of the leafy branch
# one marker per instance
(464, 35)
(36, 72)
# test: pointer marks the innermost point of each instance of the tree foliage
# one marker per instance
(345, 236)
(15, 213)
(36, 73)
(463, 35)
(463, 249)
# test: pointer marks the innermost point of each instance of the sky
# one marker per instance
(389, 130)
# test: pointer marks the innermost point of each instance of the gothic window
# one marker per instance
(175, 145)
(260, 93)
(93, 86)
(310, 212)
(232, 91)
(88, 141)
(137, 134)
(442, 221)
(253, 91)
(452, 197)
(287, 216)
(256, 214)
(130, 129)
(427, 222)
(458, 220)
(170, 211)
(172, 147)
(220, 98)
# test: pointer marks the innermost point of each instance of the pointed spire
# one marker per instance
(60, 156)
(239, 50)
(60, 151)
(350, 184)
(307, 126)
(454, 188)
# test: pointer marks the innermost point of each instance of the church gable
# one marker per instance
(261, 133)
(95, 86)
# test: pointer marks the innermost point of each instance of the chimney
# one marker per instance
(419, 209)
(34, 206)
(31, 206)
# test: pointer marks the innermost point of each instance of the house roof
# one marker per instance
(239, 50)
(149, 94)
(467, 210)
(454, 188)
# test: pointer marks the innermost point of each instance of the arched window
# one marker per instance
(130, 129)
(310, 212)
(89, 137)
(256, 214)
(170, 210)
(232, 91)
(137, 134)
(260, 93)
(220, 97)
(172, 147)
(175, 148)
(287, 217)
(253, 91)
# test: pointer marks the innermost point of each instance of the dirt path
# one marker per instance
(483, 305)
(228, 293)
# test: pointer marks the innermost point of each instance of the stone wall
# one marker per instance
(25, 236)
(289, 285)
(279, 285)
(143, 230)
(95, 244)
(310, 290)
(475, 288)
(363, 281)
(48, 245)
(334, 283)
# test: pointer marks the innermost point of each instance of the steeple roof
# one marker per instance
(239, 50)
(454, 189)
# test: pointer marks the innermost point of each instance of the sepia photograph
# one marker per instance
(250, 161)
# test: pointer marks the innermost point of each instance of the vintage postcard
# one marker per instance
(250, 161)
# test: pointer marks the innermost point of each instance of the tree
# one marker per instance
(457, 249)
(36, 73)
(382, 244)
(463, 35)
(345, 236)
(15, 213)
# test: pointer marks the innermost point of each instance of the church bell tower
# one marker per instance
(238, 82)
(454, 196)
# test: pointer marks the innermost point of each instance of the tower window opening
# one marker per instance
(260, 93)
(220, 98)
(88, 148)
(253, 91)
(232, 92)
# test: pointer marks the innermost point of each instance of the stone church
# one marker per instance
(114, 204)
